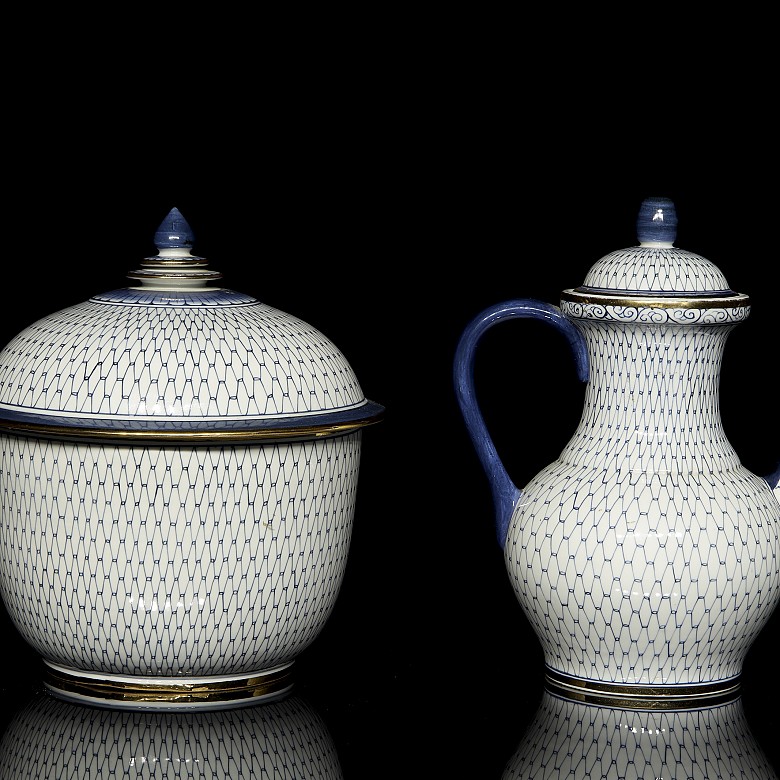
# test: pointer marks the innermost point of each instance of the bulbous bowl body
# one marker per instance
(174, 561)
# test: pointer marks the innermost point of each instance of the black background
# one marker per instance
(387, 196)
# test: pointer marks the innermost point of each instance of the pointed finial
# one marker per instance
(657, 221)
(174, 232)
(174, 265)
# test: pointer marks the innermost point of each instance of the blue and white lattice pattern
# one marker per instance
(213, 355)
(652, 269)
(174, 561)
(569, 740)
(647, 554)
(49, 739)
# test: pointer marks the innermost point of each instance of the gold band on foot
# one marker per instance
(168, 692)
(651, 697)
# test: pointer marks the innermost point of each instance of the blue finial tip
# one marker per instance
(657, 221)
(174, 232)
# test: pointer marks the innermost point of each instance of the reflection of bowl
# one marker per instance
(573, 739)
(178, 465)
(53, 738)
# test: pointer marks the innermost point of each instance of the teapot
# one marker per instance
(646, 557)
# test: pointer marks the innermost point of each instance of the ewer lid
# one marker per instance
(176, 359)
(655, 272)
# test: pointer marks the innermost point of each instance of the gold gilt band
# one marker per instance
(173, 436)
(648, 300)
(170, 691)
(651, 697)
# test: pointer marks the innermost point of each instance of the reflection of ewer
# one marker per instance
(51, 737)
(575, 740)
(646, 555)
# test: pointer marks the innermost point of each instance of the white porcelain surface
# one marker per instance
(174, 561)
(203, 354)
(646, 553)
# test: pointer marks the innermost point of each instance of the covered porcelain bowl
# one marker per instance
(178, 474)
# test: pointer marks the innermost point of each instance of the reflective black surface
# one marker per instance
(352, 720)
(388, 206)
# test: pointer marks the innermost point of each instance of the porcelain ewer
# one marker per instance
(646, 556)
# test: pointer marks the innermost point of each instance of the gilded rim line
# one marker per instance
(169, 691)
(184, 437)
(198, 432)
(647, 300)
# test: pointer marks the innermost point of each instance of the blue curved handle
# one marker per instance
(505, 493)
(773, 479)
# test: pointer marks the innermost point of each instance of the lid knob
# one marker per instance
(657, 221)
(174, 232)
(656, 267)
(174, 267)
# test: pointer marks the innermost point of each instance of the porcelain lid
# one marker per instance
(656, 268)
(176, 358)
